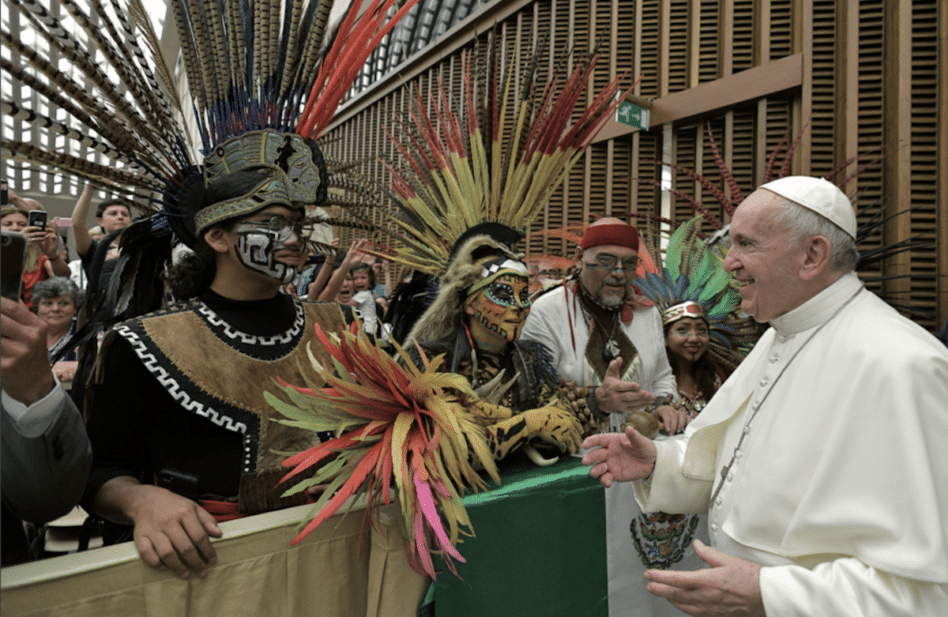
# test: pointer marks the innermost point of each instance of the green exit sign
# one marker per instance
(634, 115)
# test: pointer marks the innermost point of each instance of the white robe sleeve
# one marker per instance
(668, 489)
(847, 587)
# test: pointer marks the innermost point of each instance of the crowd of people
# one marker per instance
(805, 479)
(771, 537)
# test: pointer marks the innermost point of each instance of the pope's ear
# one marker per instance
(817, 255)
(216, 238)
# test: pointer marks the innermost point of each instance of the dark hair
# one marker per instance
(100, 209)
(703, 370)
(195, 271)
(367, 268)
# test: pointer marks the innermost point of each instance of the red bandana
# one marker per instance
(617, 235)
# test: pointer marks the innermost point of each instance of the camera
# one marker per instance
(12, 253)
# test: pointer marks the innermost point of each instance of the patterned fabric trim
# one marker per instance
(260, 347)
(225, 416)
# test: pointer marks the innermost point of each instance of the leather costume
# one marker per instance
(197, 364)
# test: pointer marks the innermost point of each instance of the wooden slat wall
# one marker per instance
(873, 76)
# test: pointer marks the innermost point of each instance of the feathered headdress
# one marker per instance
(491, 168)
(263, 81)
(471, 181)
(691, 282)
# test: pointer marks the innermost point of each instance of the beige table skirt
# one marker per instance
(344, 568)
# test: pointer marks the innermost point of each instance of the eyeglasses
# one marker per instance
(610, 263)
(284, 226)
(685, 332)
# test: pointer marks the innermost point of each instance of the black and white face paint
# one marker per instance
(258, 242)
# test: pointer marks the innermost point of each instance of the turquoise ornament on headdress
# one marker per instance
(693, 274)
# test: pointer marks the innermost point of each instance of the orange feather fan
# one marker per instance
(396, 426)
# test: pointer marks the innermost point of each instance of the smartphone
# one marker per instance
(11, 263)
(180, 482)
(37, 218)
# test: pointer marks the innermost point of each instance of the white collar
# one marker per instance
(814, 311)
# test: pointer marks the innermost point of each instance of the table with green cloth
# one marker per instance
(539, 549)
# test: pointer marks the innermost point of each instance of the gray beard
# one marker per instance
(598, 300)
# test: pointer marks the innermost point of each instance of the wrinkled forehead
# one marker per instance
(757, 215)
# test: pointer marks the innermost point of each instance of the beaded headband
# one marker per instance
(495, 267)
(682, 310)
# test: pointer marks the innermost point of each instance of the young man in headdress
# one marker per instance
(177, 415)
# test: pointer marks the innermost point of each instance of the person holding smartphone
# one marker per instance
(43, 443)
(42, 247)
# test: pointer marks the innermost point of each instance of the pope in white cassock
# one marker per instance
(821, 460)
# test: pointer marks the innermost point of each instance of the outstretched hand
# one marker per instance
(730, 587)
(617, 396)
(619, 456)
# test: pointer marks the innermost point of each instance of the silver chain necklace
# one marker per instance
(727, 468)
(610, 350)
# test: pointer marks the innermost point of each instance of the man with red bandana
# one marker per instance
(599, 339)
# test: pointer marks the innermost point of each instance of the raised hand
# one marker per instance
(619, 456)
(617, 396)
(25, 362)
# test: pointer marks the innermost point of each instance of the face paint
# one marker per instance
(499, 311)
(259, 242)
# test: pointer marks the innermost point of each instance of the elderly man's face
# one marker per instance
(763, 258)
(606, 272)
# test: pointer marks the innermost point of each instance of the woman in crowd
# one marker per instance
(42, 248)
(56, 301)
(687, 340)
